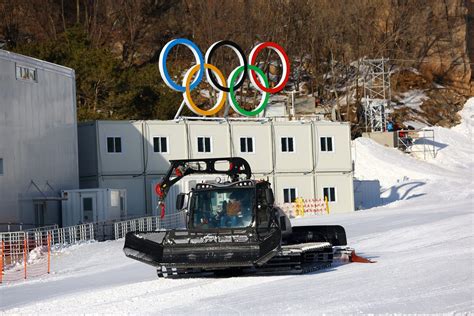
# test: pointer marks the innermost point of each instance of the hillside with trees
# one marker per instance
(114, 47)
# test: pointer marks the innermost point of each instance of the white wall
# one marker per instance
(304, 185)
(219, 133)
(301, 160)
(261, 160)
(284, 169)
(175, 133)
(135, 186)
(130, 160)
(340, 158)
(343, 183)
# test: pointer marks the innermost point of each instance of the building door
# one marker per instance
(88, 207)
(39, 209)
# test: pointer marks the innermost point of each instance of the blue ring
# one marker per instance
(165, 73)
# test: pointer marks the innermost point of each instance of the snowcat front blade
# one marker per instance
(201, 248)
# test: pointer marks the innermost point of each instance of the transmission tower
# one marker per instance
(377, 93)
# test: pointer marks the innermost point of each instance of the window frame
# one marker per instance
(289, 191)
(287, 144)
(107, 145)
(329, 191)
(246, 144)
(2, 166)
(333, 150)
(204, 144)
(167, 144)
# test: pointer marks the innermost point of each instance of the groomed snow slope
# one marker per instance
(423, 242)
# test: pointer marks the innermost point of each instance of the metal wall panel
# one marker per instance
(261, 159)
(340, 158)
(175, 134)
(130, 160)
(38, 137)
(303, 183)
(343, 184)
(135, 186)
(217, 131)
(301, 159)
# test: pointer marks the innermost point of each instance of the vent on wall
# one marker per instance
(26, 73)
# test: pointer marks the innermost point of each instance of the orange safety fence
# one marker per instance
(23, 258)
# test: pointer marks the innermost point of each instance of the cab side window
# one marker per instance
(262, 208)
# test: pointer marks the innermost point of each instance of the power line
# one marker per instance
(429, 61)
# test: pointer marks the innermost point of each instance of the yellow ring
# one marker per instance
(187, 94)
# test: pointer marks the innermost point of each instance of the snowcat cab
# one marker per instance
(232, 225)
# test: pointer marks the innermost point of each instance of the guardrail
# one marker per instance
(16, 247)
(13, 242)
(42, 228)
(150, 223)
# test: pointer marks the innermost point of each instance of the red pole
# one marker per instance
(49, 252)
(2, 247)
(24, 254)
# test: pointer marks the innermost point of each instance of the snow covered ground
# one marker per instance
(422, 238)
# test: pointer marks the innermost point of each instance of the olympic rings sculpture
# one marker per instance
(217, 80)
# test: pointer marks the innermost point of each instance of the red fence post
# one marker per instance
(2, 247)
(24, 254)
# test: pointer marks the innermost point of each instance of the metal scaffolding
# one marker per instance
(377, 93)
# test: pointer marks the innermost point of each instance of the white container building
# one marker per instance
(93, 205)
(308, 159)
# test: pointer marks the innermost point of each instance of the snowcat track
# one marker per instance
(291, 259)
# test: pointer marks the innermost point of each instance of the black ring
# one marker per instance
(211, 74)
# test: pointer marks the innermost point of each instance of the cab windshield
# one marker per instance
(218, 208)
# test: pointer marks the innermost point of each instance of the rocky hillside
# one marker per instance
(114, 45)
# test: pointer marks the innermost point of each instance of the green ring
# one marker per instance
(232, 94)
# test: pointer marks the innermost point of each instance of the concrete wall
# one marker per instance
(137, 168)
(38, 138)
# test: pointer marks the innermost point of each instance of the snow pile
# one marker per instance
(413, 99)
(452, 169)
(422, 239)
(38, 255)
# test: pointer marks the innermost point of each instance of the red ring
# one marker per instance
(287, 61)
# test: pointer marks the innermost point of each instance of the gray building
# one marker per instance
(38, 139)
(309, 159)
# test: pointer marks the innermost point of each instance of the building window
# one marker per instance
(246, 145)
(287, 145)
(204, 144)
(26, 73)
(330, 194)
(122, 204)
(160, 144)
(289, 195)
(1, 166)
(114, 144)
(326, 144)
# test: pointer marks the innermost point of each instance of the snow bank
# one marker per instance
(423, 243)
